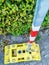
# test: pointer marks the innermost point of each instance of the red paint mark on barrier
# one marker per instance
(33, 33)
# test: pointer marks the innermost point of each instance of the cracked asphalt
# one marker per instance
(43, 43)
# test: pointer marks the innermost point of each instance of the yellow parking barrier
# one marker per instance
(18, 53)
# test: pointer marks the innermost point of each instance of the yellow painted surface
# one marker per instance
(18, 53)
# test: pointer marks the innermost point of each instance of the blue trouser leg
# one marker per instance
(41, 10)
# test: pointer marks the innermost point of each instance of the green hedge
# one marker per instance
(16, 16)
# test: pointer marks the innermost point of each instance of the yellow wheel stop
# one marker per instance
(17, 53)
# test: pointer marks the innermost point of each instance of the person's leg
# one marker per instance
(41, 10)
